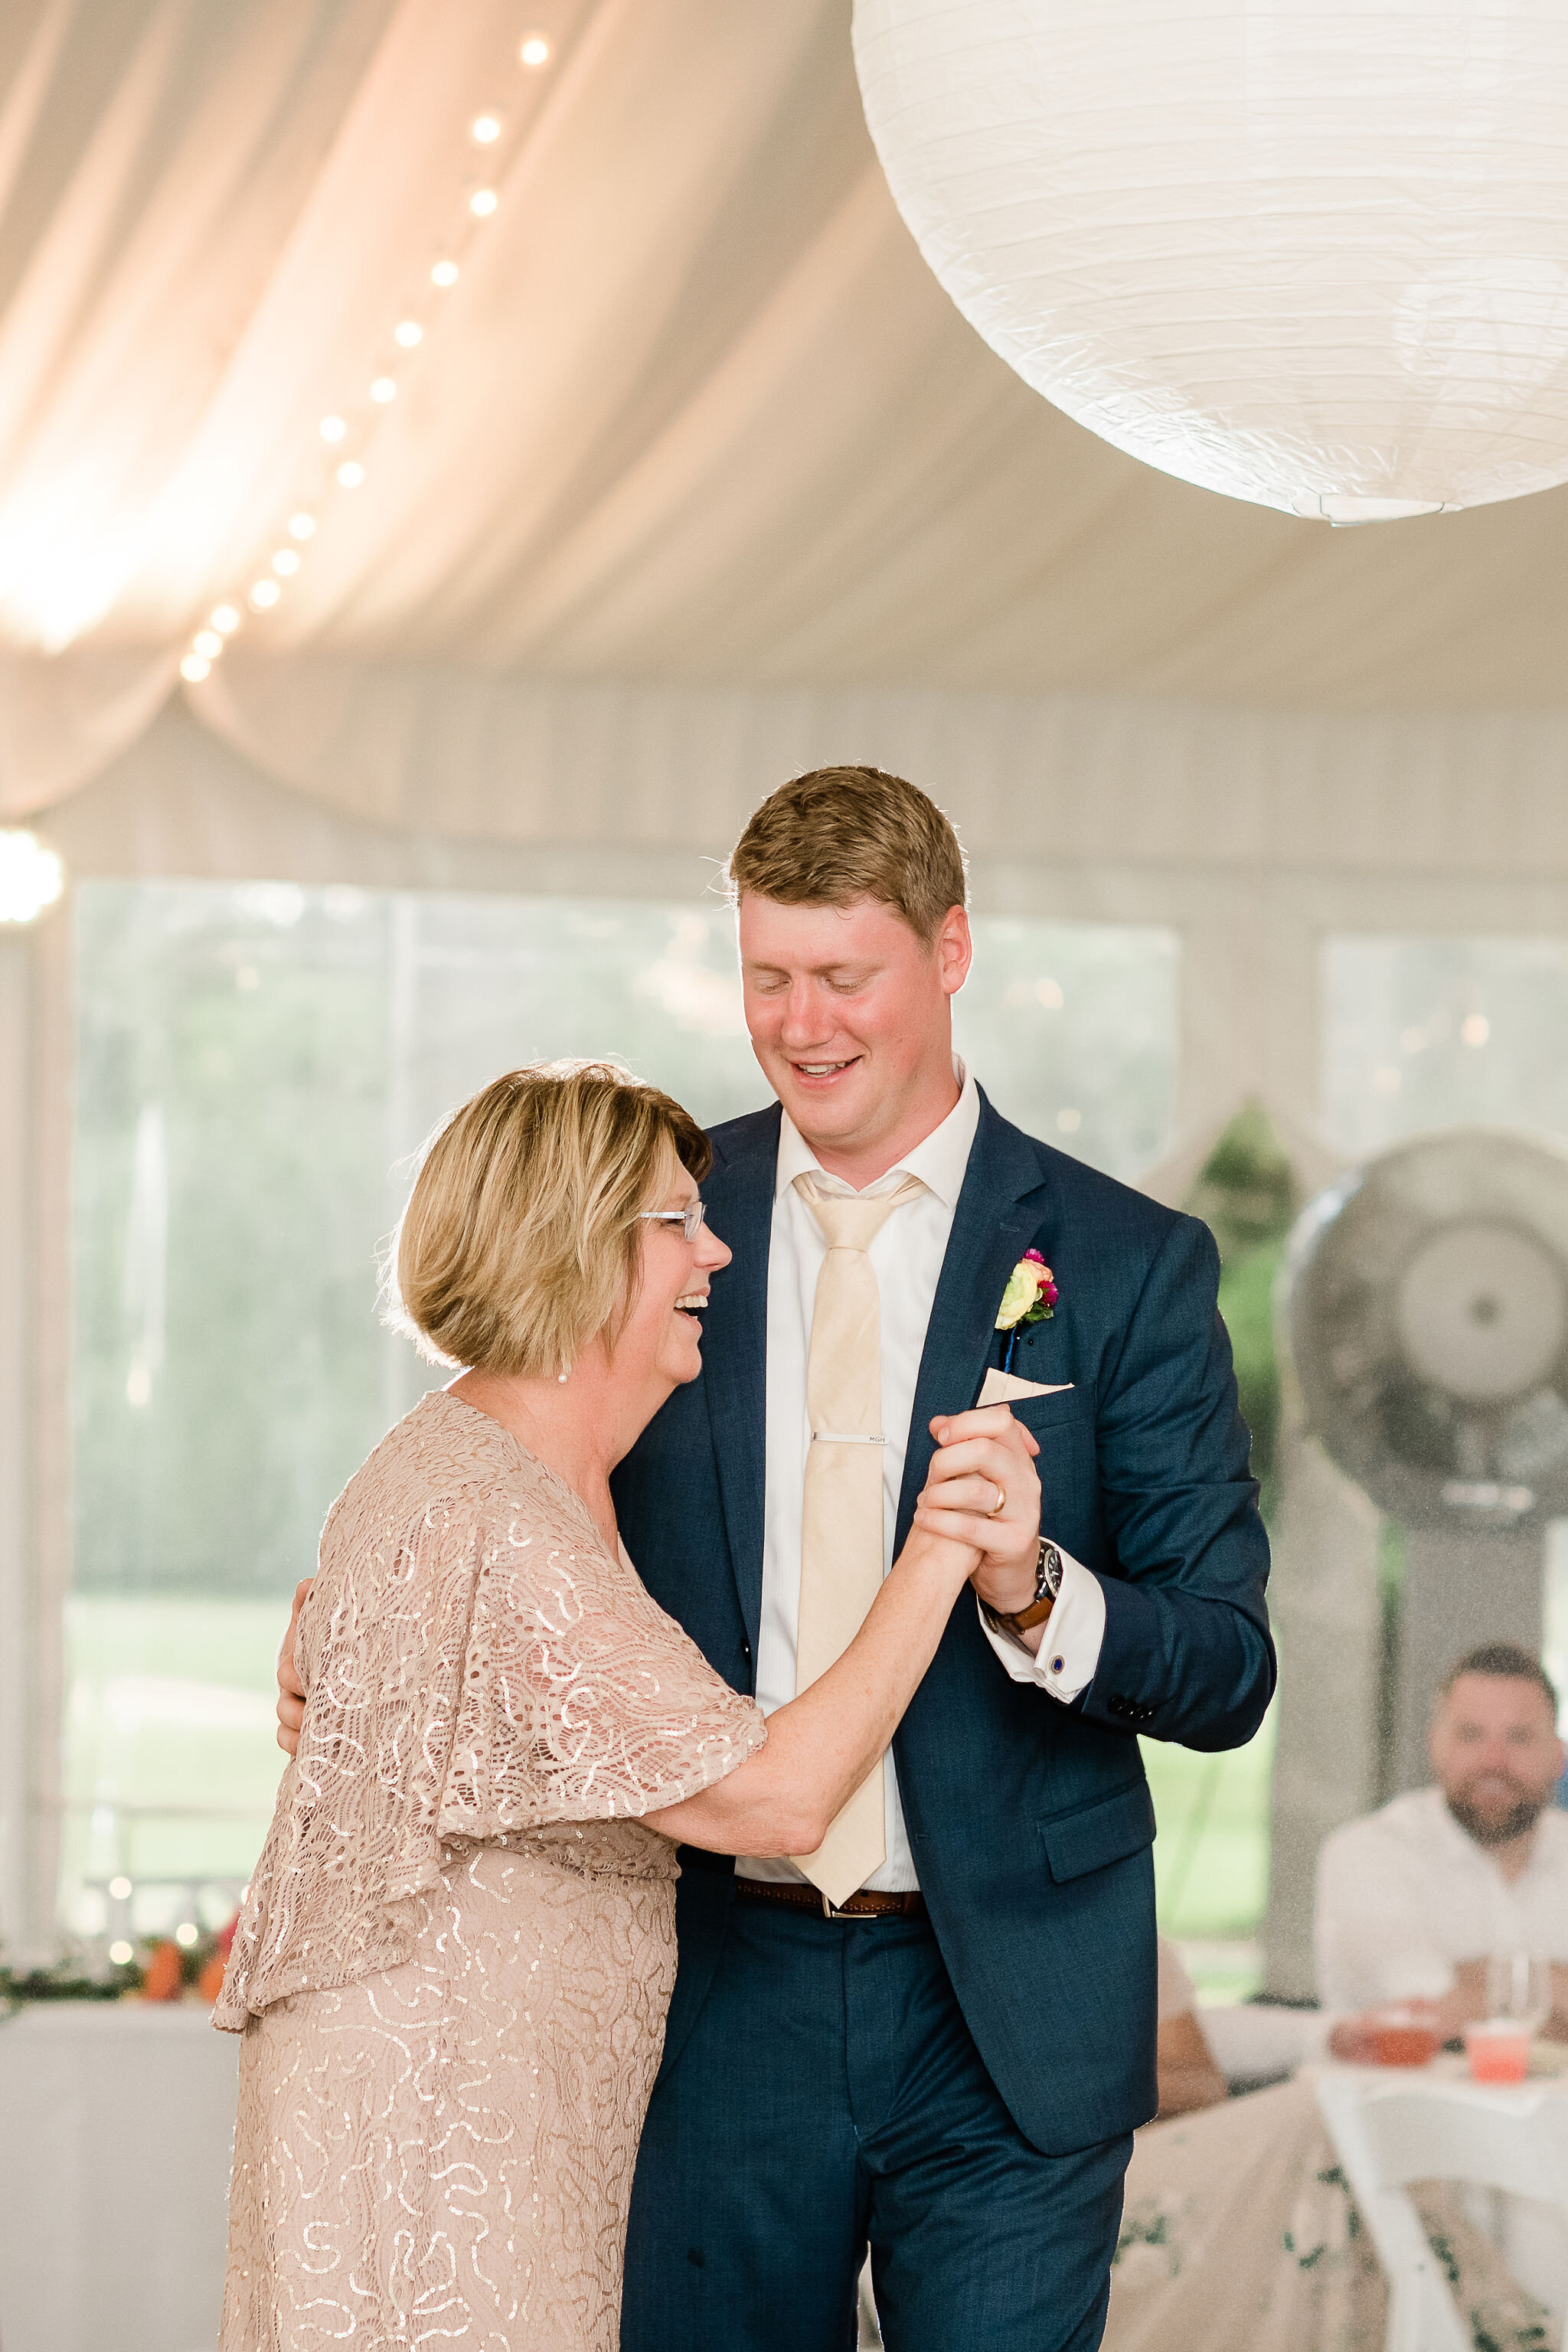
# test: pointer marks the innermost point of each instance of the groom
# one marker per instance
(948, 2062)
(953, 2070)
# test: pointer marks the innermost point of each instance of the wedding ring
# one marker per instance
(1001, 1503)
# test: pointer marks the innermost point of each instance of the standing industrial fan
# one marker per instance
(1427, 1314)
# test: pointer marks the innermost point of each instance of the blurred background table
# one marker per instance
(116, 2125)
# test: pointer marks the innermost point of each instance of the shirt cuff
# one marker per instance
(1074, 1632)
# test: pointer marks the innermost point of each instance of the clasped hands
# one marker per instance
(982, 1489)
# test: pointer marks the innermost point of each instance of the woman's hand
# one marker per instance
(290, 1689)
(982, 1489)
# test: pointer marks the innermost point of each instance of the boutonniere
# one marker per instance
(1030, 1296)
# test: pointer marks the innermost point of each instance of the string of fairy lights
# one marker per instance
(337, 429)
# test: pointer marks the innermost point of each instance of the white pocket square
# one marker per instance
(1001, 1388)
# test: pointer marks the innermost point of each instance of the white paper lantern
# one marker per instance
(1312, 253)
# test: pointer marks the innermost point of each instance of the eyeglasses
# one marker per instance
(689, 1219)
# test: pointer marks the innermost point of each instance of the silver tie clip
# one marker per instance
(839, 1437)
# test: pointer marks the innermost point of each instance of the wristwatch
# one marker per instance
(1047, 1584)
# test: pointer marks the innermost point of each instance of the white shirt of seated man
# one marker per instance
(906, 1257)
(1412, 1899)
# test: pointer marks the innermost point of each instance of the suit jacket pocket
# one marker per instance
(1096, 1835)
(1039, 1413)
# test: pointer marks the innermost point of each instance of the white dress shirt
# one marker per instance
(907, 1258)
(1406, 1894)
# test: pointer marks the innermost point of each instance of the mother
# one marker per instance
(457, 1952)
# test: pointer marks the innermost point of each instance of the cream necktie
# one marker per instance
(841, 1526)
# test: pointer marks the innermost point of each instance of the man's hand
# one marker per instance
(980, 1457)
(1464, 2002)
(290, 1689)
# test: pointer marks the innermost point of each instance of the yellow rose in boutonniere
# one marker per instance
(1029, 1297)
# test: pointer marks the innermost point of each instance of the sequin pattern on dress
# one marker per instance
(456, 1955)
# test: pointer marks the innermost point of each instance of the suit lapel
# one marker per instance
(1002, 1207)
(740, 1197)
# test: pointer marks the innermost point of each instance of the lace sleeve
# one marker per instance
(380, 1647)
(475, 1664)
(581, 1699)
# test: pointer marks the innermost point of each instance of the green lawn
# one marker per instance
(1211, 1856)
(170, 1762)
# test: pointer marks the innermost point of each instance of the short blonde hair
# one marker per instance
(836, 835)
(521, 1240)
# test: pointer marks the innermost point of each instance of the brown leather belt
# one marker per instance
(797, 1897)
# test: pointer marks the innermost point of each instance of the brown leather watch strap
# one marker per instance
(1024, 1621)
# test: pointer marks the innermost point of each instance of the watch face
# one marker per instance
(1051, 1576)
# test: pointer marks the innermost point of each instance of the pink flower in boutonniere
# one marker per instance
(1031, 1293)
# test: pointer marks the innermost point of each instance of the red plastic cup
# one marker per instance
(1403, 2037)
(1499, 2050)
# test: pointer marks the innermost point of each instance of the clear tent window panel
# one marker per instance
(1073, 1030)
(1420, 1034)
(256, 1067)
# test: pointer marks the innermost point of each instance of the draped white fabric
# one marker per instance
(693, 413)
(1061, 778)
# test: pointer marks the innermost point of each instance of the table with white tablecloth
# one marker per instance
(116, 2124)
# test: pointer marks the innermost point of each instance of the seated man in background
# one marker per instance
(1412, 1899)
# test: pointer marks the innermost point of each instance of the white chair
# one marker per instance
(1388, 2131)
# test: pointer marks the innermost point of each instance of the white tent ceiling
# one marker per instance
(693, 415)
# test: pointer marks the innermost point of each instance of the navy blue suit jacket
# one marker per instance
(1030, 1821)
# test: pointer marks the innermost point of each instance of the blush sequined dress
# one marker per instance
(457, 1952)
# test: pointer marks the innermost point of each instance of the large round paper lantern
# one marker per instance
(1312, 253)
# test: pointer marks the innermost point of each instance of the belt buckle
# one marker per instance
(831, 1910)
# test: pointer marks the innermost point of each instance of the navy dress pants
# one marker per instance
(831, 2095)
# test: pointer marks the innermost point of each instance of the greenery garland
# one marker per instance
(162, 1969)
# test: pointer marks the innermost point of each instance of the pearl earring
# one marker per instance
(560, 1376)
